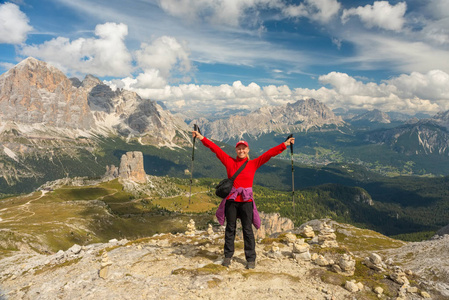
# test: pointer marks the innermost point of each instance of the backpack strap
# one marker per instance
(239, 170)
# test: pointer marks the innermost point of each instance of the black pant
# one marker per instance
(243, 211)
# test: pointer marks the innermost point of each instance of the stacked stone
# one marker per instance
(301, 250)
(345, 265)
(210, 230)
(307, 232)
(290, 237)
(105, 263)
(374, 261)
(320, 260)
(399, 276)
(191, 229)
(275, 251)
(327, 237)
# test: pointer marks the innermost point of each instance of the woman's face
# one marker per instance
(242, 151)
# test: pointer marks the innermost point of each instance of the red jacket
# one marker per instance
(246, 177)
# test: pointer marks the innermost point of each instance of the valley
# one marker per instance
(395, 165)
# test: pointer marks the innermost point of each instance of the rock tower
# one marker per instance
(131, 167)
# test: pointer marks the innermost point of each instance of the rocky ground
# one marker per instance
(429, 260)
(188, 266)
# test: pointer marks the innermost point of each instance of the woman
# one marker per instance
(240, 202)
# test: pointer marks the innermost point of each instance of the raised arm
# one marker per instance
(273, 152)
(221, 155)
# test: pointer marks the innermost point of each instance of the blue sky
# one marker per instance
(199, 56)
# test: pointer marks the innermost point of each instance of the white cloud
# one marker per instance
(164, 54)
(318, 10)
(106, 55)
(14, 26)
(406, 93)
(381, 14)
(160, 62)
(399, 53)
(416, 92)
(433, 85)
(438, 8)
(6, 65)
(436, 25)
(224, 12)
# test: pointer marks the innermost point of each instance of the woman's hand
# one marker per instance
(197, 135)
(289, 142)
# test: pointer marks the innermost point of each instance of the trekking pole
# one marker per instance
(195, 128)
(293, 174)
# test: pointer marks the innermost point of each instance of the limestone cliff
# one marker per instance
(131, 167)
(35, 92)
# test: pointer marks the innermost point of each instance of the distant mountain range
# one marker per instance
(292, 117)
(427, 136)
(52, 127)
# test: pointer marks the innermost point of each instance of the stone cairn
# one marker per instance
(399, 276)
(301, 250)
(191, 229)
(327, 237)
(374, 261)
(210, 230)
(105, 263)
(307, 232)
(321, 260)
(275, 251)
(290, 238)
(345, 265)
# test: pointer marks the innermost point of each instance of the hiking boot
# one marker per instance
(226, 262)
(251, 265)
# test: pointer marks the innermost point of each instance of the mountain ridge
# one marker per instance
(34, 92)
(301, 115)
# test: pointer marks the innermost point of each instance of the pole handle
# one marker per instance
(291, 145)
(195, 128)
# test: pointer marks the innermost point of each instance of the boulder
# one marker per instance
(351, 286)
(272, 223)
(374, 261)
(378, 290)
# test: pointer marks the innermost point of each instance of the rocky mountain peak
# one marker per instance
(35, 92)
(373, 116)
(441, 118)
(90, 82)
(298, 116)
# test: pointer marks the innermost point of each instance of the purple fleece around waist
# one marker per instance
(247, 194)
